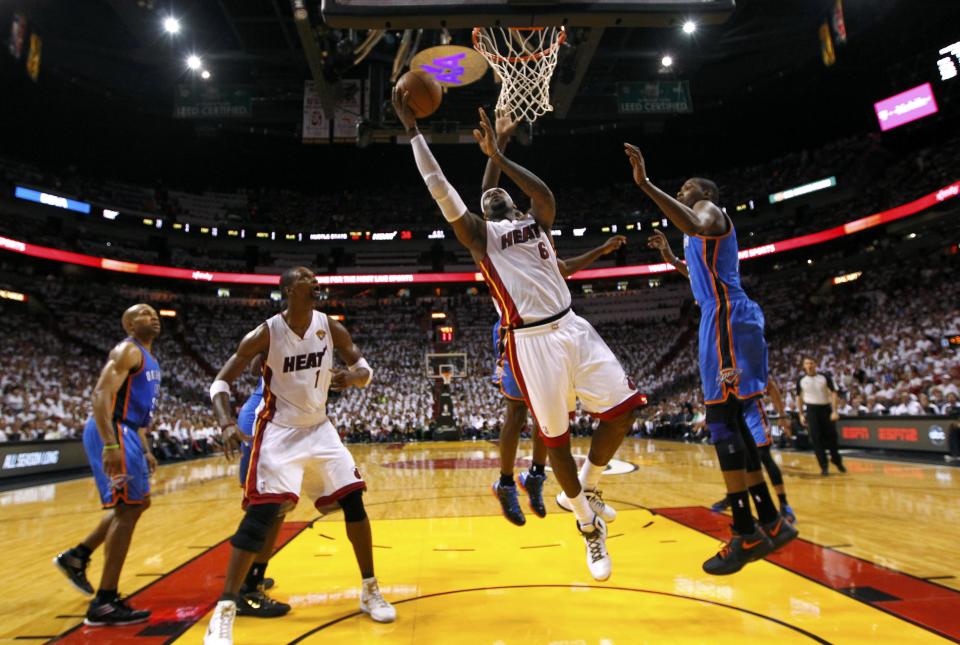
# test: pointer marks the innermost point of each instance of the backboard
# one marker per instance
(446, 366)
(455, 14)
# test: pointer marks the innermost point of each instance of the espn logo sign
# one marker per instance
(909, 435)
(851, 432)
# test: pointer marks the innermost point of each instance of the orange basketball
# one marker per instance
(425, 92)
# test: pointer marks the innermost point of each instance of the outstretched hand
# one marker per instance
(232, 437)
(486, 135)
(613, 244)
(637, 163)
(658, 241)
(401, 105)
(505, 126)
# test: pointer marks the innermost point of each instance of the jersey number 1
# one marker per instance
(316, 382)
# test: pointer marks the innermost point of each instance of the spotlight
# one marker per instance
(194, 62)
(171, 25)
(205, 75)
(689, 27)
(666, 61)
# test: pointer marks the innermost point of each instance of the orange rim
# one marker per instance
(496, 58)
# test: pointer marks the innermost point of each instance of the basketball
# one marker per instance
(425, 92)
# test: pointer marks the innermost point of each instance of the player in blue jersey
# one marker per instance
(515, 413)
(733, 362)
(115, 441)
(753, 413)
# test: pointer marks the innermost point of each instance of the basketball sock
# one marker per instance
(783, 499)
(106, 595)
(740, 506)
(581, 508)
(255, 576)
(590, 474)
(766, 511)
(506, 480)
(537, 469)
(82, 551)
(229, 597)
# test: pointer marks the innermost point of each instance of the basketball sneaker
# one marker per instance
(220, 629)
(598, 560)
(788, 513)
(74, 567)
(266, 584)
(373, 603)
(260, 605)
(507, 495)
(114, 613)
(532, 485)
(721, 506)
(739, 551)
(780, 531)
(595, 499)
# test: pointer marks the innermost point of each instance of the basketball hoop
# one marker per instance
(524, 58)
(447, 373)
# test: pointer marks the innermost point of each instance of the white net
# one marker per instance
(524, 59)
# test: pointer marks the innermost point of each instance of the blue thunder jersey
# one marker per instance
(245, 421)
(732, 349)
(137, 397)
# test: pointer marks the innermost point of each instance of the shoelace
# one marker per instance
(375, 598)
(595, 498)
(225, 626)
(595, 546)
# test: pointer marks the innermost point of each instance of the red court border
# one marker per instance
(925, 604)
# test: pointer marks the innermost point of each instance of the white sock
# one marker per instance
(581, 508)
(372, 580)
(590, 474)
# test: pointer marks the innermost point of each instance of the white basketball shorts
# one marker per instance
(557, 363)
(286, 460)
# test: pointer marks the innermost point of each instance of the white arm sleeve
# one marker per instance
(451, 205)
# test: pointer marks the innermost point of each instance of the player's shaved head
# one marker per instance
(289, 276)
(709, 188)
(139, 317)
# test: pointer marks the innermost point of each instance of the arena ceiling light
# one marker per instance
(205, 75)
(689, 27)
(194, 62)
(171, 25)
(667, 61)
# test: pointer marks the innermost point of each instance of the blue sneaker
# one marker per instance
(507, 495)
(532, 485)
(721, 506)
(789, 514)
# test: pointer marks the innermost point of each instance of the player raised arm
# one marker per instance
(469, 228)
(543, 207)
(571, 266)
(358, 373)
(255, 343)
(505, 126)
(702, 217)
(123, 359)
(659, 241)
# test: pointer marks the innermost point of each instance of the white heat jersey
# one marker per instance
(520, 269)
(296, 375)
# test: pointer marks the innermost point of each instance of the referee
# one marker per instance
(817, 391)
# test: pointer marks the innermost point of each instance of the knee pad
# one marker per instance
(352, 505)
(254, 526)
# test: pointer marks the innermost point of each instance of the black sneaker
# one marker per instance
(532, 485)
(114, 613)
(738, 552)
(266, 584)
(260, 605)
(721, 506)
(74, 568)
(507, 496)
(841, 467)
(780, 531)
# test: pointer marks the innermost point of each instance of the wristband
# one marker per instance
(111, 446)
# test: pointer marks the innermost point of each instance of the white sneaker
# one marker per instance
(598, 560)
(220, 629)
(595, 499)
(373, 603)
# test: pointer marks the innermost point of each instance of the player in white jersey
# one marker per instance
(556, 356)
(295, 447)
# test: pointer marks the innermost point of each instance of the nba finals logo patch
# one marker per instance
(321, 334)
